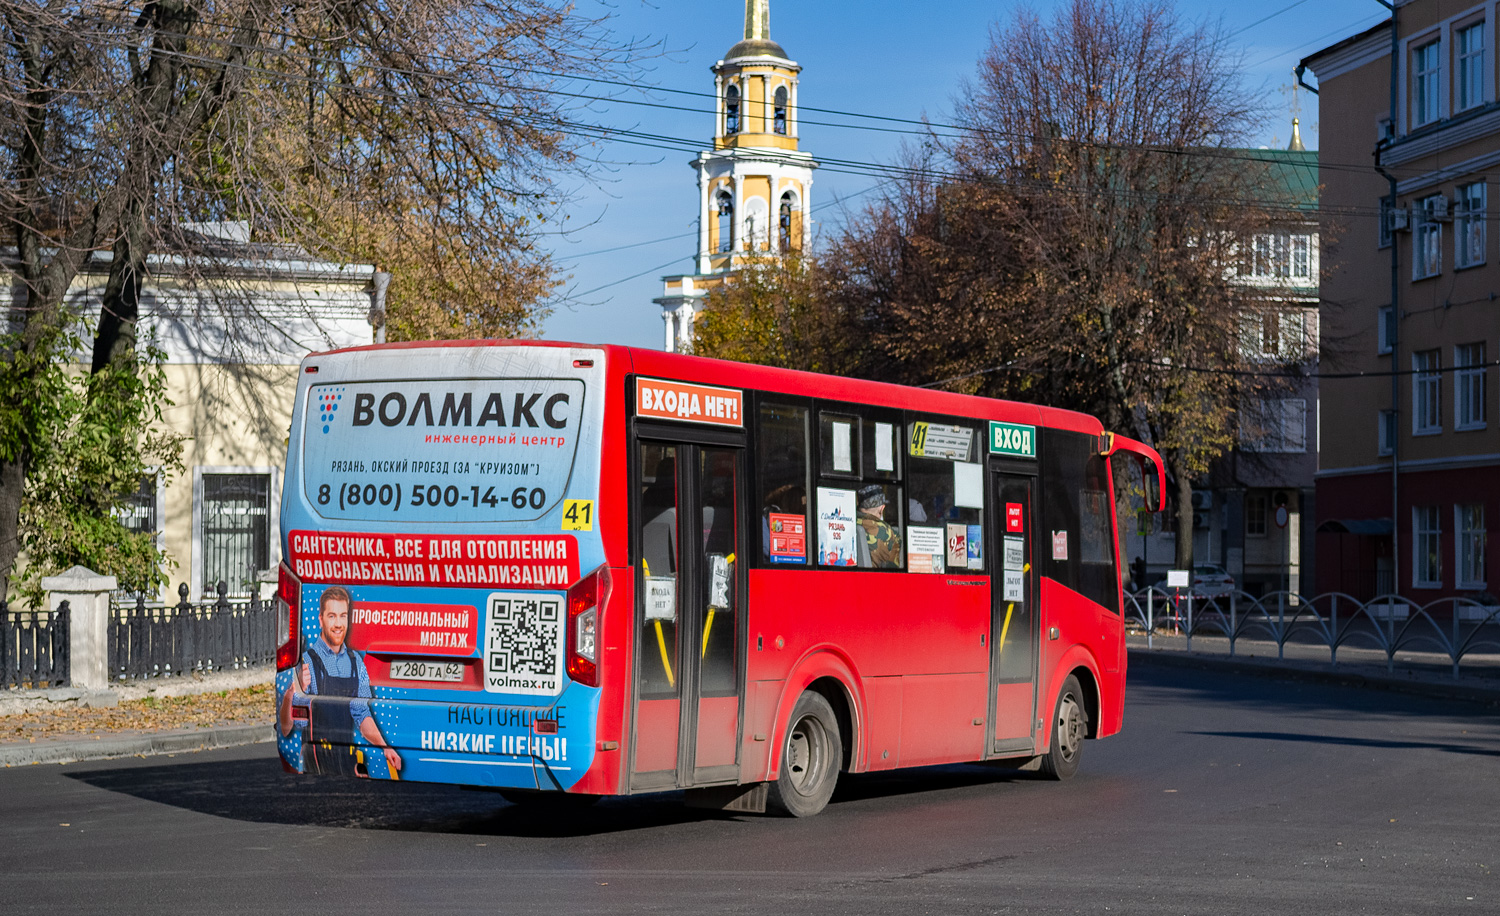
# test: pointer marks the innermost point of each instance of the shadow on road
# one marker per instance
(1358, 742)
(1292, 692)
(257, 791)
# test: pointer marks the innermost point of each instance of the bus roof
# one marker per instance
(786, 381)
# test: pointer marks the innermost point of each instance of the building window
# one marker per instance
(779, 118)
(1468, 386)
(236, 531)
(1385, 433)
(1468, 522)
(139, 514)
(1468, 226)
(1427, 238)
(732, 109)
(1255, 516)
(1471, 66)
(1387, 221)
(1385, 329)
(1274, 426)
(1279, 334)
(1426, 545)
(1281, 256)
(726, 222)
(1425, 73)
(1427, 392)
(784, 224)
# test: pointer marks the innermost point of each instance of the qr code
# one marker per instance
(523, 644)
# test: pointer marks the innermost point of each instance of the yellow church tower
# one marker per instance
(754, 185)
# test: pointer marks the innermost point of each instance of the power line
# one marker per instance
(929, 128)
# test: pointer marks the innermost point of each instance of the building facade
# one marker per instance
(1410, 467)
(754, 186)
(1249, 510)
(233, 336)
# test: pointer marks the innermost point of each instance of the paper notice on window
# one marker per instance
(843, 453)
(958, 546)
(661, 597)
(976, 547)
(718, 581)
(925, 549)
(837, 527)
(1060, 545)
(968, 485)
(1015, 553)
(885, 447)
(1014, 588)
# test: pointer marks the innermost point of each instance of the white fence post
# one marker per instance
(87, 594)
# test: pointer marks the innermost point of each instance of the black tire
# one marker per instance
(1070, 724)
(810, 759)
(547, 801)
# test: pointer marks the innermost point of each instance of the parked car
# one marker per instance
(1212, 581)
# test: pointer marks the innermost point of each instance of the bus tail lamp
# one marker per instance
(584, 600)
(289, 601)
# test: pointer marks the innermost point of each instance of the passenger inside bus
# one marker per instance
(882, 542)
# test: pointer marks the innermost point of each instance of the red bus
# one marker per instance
(565, 571)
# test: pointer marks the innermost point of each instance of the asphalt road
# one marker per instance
(1226, 794)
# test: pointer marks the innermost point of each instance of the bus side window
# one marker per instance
(945, 496)
(781, 480)
(861, 503)
(1078, 516)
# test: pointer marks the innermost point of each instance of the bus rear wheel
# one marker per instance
(810, 759)
(1070, 725)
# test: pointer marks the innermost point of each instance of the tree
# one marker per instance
(772, 312)
(1079, 242)
(424, 135)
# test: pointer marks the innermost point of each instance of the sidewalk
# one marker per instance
(1420, 673)
(1425, 674)
(160, 716)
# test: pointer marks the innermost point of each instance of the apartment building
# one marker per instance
(1248, 511)
(1409, 471)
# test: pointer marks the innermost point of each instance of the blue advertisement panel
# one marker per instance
(438, 504)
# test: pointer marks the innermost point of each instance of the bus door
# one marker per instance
(688, 532)
(1014, 613)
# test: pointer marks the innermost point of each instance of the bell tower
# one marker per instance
(754, 185)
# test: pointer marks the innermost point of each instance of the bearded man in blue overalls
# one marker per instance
(330, 669)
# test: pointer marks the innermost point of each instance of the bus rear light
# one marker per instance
(584, 600)
(289, 602)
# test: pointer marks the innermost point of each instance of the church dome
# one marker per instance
(756, 47)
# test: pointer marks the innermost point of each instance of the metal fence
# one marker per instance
(157, 640)
(1451, 627)
(33, 647)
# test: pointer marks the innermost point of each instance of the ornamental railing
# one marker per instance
(33, 647)
(168, 640)
(1454, 628)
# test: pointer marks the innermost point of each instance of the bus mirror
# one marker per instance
(1154, 484)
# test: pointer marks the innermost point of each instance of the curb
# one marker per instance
(135, 745)
(1280, 670)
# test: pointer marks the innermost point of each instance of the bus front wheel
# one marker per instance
(809, 759)
(1070, 725)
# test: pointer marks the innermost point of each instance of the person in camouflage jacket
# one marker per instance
(883, 541)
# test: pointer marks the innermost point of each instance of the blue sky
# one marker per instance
(636, 221)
